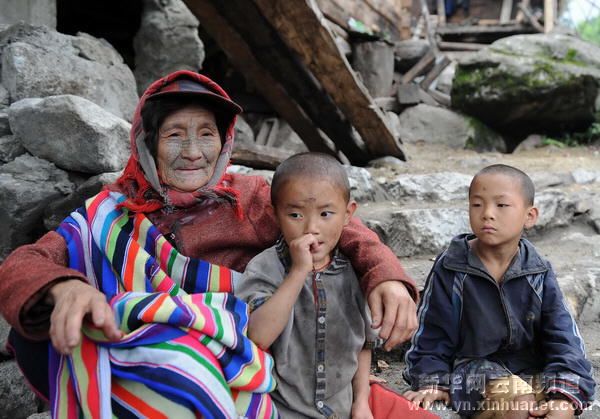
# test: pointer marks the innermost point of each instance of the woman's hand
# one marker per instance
(394, 310)
(73, 300)
(426, 396)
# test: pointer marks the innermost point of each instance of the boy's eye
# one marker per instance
(294, 215)
(502, 205)
(327, 213)
(475, 205)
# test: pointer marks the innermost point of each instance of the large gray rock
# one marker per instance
(10, 148)
(166, 41)
(60, 209)
(39, 62)
(439, 125)
(27, 185)
(36, 12)
(410, 232)
(529, 84)
(442, 186)
(362, 186)
(81, 137)
(16, 399)
(374, 61)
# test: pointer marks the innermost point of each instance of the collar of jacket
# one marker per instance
(459, 257)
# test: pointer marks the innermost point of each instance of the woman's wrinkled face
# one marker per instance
(188, 147)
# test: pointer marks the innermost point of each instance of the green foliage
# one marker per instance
(590, 30)
(574, 139)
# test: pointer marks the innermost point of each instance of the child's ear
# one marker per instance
(532, 216)
(350, 208)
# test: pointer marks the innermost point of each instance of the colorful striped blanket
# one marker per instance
(185, 352)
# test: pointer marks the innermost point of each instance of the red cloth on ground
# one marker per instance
(385, 403)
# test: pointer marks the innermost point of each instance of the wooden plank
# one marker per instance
(240, 55)
(507, 6)
(461, 46)
(530, 17)
(418, 68)
(441, 63)
(276, 62)
(259, 156)
(300, 26)
(430, 31)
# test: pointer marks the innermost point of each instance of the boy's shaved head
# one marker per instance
(527, 188)
(310, 165)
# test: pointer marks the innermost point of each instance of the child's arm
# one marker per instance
(360, 387)
(268, 321)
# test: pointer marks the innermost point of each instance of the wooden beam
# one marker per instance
(259, 156)
(507, 6)
(418, 68)
(441, 63)
(300, 26)
(241, 56)
(428, 28)
(461, 46)
(549, 15)
(441, 12)
(530, 17)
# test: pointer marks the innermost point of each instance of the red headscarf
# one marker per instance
(140, 180)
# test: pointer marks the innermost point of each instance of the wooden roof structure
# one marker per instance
(287, 51)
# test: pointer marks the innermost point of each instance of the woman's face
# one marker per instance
(188, 147)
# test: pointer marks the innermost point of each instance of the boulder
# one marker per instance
(82, 137)
(10, 148)
(410, 232)
(439, 125)
(528, 84)
(61, 208)
(16, 399)
(166, 41)
(27, 185)
(36, 12)
(374, 61)
(362, 186)
(40, 62)
(442, 186)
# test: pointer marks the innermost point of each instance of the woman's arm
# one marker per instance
(43, 298)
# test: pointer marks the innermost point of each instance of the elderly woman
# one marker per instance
(137, 284)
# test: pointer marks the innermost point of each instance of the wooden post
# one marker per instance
(549, 15)
(507, 6)
(441, 12)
